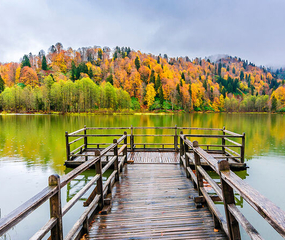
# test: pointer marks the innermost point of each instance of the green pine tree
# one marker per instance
(161, 97)
(73, 71)
(44, 63)
(137, 63)
(25, 62)
(152, 77)
(2, 87)
(157, 83)
(273, 104)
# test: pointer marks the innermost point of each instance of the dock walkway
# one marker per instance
(154, 201)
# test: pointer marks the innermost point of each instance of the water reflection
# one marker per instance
(76, 184)
(32, 147)
(39, 139)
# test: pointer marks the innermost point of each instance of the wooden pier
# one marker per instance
(157, 188)
(220, 143)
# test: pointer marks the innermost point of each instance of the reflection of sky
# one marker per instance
(20, 183)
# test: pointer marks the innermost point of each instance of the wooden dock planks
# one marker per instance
(155, 157)
(154, 201)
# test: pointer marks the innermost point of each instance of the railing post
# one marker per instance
(242, 148)
(223, 141)
(98, 166)
(125, 152)
(55, 208)
(186, 150)
(228, 198)
(85, 142)
(116, 163)
(132, 139)
(198, 163)
(67, 147)
(85, 137)
(181, 147)
(176, 139)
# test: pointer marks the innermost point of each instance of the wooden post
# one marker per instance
(132, 139)
(228, 198)
(98, 166)
(67, 147)
(198, 163)
(181, 148)
(242, 148)
(223, 141)
(85, 228)
(85, 142)
(116, 163)
(125, 152)
(85, 137)
(176, 139)
(55, 208)
(186, 150)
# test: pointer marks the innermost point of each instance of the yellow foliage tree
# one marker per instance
(150, 94)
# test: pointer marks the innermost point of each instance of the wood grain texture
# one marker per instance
(155, 157)
(154, 201)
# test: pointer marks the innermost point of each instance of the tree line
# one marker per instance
(87, 79)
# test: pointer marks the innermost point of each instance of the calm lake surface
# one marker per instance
(32, 147)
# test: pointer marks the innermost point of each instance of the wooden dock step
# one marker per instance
(154, 201)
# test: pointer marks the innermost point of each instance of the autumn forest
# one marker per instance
(91, 79)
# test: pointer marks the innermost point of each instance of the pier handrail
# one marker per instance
(53, 194)
(230, 182)
(228, 146)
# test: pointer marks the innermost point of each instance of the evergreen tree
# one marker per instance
(273, 103)
(190, 94)
(73, 71)
(157, 83)
(161, 97)
(110, 79)
(115, 55)
(205, 84)
(1, 84)
(25, 62)
(44, 63)
(90, 73)
(152, 77)
(178, 96)
(183, 76)
(100, 54)
(252, 89)
(219, 68)
(137, 63)
(241, 76)
(77, 72)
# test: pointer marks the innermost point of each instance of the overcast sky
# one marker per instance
(252, 30)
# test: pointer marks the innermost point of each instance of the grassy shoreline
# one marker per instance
(124, 112)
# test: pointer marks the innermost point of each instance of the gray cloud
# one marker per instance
(250, 29)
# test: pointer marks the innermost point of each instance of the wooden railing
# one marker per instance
(227, 145)
(230, 182)
(52, 193)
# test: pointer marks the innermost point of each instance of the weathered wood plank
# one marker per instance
(154, 201)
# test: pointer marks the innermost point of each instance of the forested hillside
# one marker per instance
(88, 79)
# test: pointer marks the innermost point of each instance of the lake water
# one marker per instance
(32, 147)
